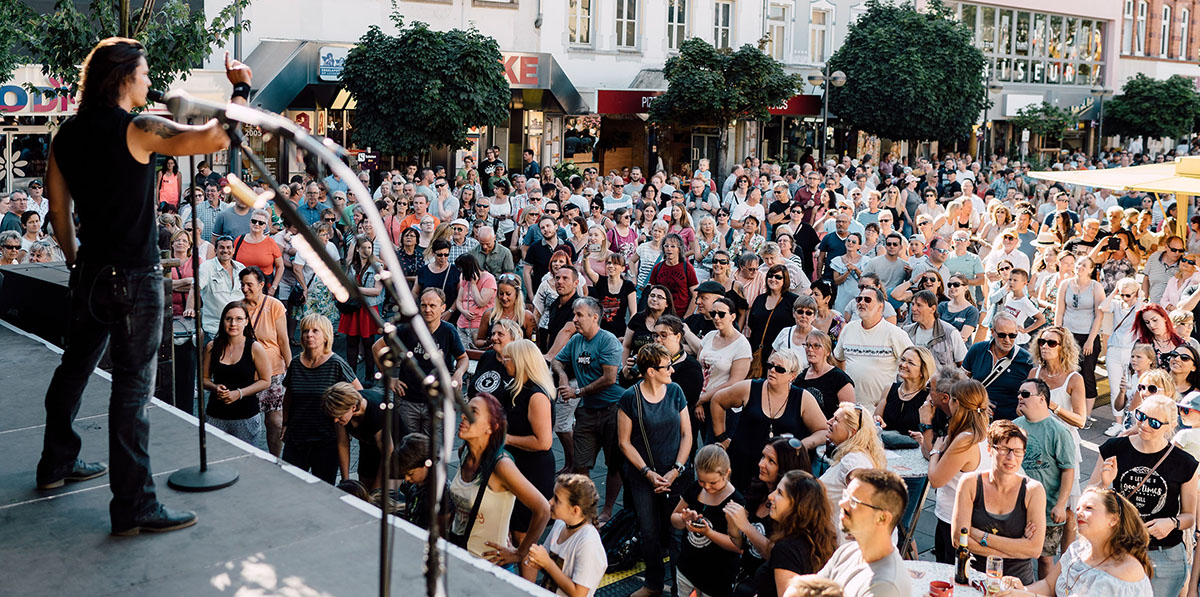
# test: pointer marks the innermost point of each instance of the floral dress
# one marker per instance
(742, 245)
(320, 300)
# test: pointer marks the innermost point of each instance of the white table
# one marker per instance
(922, 573)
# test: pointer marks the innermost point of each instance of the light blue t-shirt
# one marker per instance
(587, 358)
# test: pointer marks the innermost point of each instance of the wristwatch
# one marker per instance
(679, 468)
(983, 539)
(645, 469)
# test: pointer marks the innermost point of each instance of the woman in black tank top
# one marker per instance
(236, 369)
(1003, 533)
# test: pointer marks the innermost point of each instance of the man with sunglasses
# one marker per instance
(869, 348)
(1161, 267)
(1050, 460)
(1000, 365)
(809, 196)
(935, 260)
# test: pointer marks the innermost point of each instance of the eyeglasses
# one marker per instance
(858, 502)
(718, 314)
(258, 223)
(864, 299)
(668, 367)
(780, 369)
(1147, 419)
(960, 240)
(1048, 342)
(1004, 452)
(1012, 336)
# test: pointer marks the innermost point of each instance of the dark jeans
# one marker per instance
(124, 307)
(654, 525)
(1087, 364)
(320, 459)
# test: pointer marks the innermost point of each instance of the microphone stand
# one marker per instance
(202, 477)
(394, 351)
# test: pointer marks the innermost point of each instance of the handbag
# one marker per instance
(756, 364)
(353, 304)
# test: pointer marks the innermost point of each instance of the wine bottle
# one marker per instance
(962, 559)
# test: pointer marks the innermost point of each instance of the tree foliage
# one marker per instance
(1152, 107)
(176, 39)
(423, 88)
(1045, 120)
(909, 74)
(715, 87)
(14, 17)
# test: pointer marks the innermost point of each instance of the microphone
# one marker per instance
(243, 193)
(184, 106)
(154, 95)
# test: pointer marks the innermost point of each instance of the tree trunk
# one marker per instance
(124, 16)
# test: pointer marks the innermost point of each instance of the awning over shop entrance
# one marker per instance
(637, 101)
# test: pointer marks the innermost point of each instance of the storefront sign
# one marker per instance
(526, 71)
(625, 101)
(333, 59)
(799, 105)
(15, 99)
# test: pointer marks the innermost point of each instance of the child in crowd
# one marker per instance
(708, 557)
(572, 557)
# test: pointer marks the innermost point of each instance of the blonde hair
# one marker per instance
(1165, 382)
(1145, 350)
(928, 363)
(824, 340)
(712, 459)
(320, 322)
(790, 359)
(442, 232)
(339, 398)
(183, 234)
(529, 365)
(518, 305)
(1068, 350)
(1165, 408)
(864, 437)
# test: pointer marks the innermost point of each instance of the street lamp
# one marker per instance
(1101, 92)
(818, 78)
(995, 88)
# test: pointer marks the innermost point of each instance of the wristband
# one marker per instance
(645, 469)
(923, 427)
(679, 467)
(983, 540)
(241, 90)
(722, 437)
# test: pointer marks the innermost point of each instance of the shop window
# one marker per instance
(820, 34)
(677, 20)
(777, 31)
(579, 22)
(987, 29)
(1021, 45)
(1185, 22)
(970, 16)
(1054, 38)
(1037, 37)
(1164, 32)
(1005, 45)
(627, 23)
(723, 24)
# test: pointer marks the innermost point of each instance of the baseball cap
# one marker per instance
(710, 287)
(460, 222)
(36, 181)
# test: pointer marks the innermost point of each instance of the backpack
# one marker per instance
(622, 541)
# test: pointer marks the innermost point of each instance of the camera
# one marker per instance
(1114, 243)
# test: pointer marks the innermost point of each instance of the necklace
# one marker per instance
(775, 415)
(1071, 584)
(572, 527)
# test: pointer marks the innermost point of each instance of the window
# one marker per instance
(1164, 32)
(818, 35)
(1140, 25)
(1185, 23)
(723, 25)
(777, 30)
(626, 23)
(1127, 29)
(676, 23)
(579, 22)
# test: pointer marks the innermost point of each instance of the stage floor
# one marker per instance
(275, 532)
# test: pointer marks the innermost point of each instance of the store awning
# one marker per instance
(1131, 178)
(637, 101)
(542, 72)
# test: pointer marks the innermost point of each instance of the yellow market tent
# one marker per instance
(1180, 178)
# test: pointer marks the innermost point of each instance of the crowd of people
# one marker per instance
(966, 308)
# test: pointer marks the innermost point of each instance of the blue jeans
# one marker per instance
(654, 524)
(123, 307)
(1170, 569)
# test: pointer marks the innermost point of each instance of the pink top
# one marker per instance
(474, 313)
(168, 189)
(1174, 291)
(178, 273)
(625, 245)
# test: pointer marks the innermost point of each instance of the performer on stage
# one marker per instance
(102, 168)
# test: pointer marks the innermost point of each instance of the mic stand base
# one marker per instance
(195, 478)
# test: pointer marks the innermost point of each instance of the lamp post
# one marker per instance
(1100, 92)
(838, 78)
(994, 88)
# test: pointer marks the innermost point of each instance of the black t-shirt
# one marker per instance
(788, 553)
(689, 376)
(1158, 497)
(306, 421)
(364, 428)
(561, 313)
(490, 376)
(710, 568)
(447, 280)
(700, 324)
(538, 257)
(113, 192)
(778, 207)
(825, 388)
(903, 416)
(615, 304)
(1079, 246)
(447, 339)
(641, 334)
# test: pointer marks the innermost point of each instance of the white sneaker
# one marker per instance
(1114, 430)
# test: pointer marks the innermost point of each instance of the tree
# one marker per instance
(719, 87)
(423, 88)
(1152, 108)
(176, 39)
(14, 16)
(909, 74)
(1046, 121)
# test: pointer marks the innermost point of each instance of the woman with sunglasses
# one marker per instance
(962, 450)
(855, 443)
(725, 356)
(959, 310)
(1003, 510)
(1160, 481)
(509, 306)
(1121, 305)
(931, 207)
(769, 407)
(762, 327)
(752, 527)
(1184, 371)
(1078, 310)
(655, 435)
(623, 236)
(253, 250)
(804, 309)
(739, 193)
(847, 269)
(1184, 277)
(723, 274)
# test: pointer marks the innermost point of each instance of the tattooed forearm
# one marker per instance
(158, 126)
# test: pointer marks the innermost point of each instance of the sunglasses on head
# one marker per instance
(1147, 419)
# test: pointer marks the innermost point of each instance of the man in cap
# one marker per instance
(700, 323)
(37, 202)
(460, 243)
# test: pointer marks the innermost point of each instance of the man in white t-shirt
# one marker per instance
(870, 565)
(869, 349)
